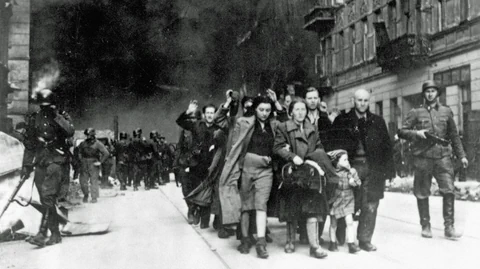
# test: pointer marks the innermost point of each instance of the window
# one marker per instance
(450, 13)
(464, 10)
(329, 58)
(340, 60)
(392, 20)
(365, 39)
(353, 36)
(379, 108)
(377, 17)
(458, 76)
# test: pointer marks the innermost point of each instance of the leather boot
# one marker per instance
(353, 248)
(39, 239)
(333, 247)
(55, 238)
(448, 216)
(424, 212)
(261, 248)
(245, 246)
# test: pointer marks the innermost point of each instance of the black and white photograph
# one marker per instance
(239, 134)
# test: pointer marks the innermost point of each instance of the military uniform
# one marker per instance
(91, 151)
(431, 158)
(121, 154)
(139, 159)
(166, 157)
(108, 164)
(151, 158)
(46, 149)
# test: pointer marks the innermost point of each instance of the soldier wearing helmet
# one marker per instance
(140, 150)
(121, 154)
(92, 153)
(434, 135)
(46, 149)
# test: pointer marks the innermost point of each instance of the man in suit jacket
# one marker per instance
(365, 137)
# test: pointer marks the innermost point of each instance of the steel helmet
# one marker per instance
(430, 84)
(154, 134)
(45, 97)
(89, 131)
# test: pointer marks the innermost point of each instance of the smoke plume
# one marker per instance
(46, 77)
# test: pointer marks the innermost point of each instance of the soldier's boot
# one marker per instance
(448, 216)
(39, 239)
(55, 238)
(424, 212)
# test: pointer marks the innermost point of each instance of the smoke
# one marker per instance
(46, 78)
(147, 53)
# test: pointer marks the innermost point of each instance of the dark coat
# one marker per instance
(379, 149)
(291, 142)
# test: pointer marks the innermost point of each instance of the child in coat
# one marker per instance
(342, 200)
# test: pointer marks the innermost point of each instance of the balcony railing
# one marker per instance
(405, 52)
(320, 19)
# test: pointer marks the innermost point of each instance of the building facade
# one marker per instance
(390, 47)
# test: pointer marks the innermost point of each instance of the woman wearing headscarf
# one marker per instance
(297, 141)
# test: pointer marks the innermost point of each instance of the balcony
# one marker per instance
(320, 19)
(405, 52)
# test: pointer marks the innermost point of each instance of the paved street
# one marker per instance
(149, 230)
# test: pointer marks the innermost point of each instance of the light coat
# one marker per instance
(231, 173)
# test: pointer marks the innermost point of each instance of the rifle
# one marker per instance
(14, 193)
(437, 140)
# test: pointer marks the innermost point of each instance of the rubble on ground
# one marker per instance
(469, 190)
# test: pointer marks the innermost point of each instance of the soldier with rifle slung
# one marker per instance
(46, 149)
(433, 132)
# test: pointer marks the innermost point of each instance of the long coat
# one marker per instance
(379, 149)
(306, 145)
(231, 173)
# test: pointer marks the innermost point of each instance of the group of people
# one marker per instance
(254, 157)
(136, 159)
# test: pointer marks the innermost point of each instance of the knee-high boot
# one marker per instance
(424, 212)
(55, 238)
(39, 239)
(449, 215)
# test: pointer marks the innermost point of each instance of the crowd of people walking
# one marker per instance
(259, 157)
(255, 157)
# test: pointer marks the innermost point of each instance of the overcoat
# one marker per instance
(291, 142)
(231, 173)
(379, 149)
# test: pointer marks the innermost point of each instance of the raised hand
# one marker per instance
(192, 107)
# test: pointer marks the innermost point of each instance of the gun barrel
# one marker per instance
(12, 196)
